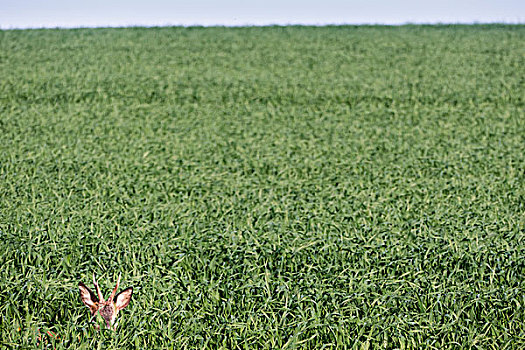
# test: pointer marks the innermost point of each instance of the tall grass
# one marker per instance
(278, 187)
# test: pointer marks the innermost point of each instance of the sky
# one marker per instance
(110, 13)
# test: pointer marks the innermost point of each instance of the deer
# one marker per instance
(107, 309)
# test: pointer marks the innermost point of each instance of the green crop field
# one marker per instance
(265, 187)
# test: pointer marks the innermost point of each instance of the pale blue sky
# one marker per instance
(87, 13)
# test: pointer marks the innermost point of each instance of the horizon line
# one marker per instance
(248, 25)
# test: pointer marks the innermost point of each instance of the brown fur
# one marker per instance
(108, 309)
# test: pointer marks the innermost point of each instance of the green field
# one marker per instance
(277, 187)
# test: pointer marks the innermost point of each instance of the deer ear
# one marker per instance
(123, 298)
(88, 297)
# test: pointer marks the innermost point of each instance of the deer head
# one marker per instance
(109, 308)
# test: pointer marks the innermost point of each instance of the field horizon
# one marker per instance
(322, 187)
(276, 25)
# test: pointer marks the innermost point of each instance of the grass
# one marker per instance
(279, 187)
